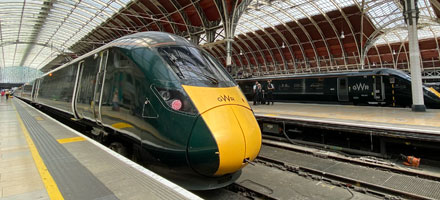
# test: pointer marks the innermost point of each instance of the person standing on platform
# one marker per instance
(115, 101)
(260, 93)
(270, 89)
(7, 94)
(255, 92)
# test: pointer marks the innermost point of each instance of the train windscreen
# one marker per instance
(195, 67)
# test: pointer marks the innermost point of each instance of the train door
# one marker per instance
(378, 88)
(99, 86)
(79, 73)
(86, 87)
(33, 91)
(342, 89)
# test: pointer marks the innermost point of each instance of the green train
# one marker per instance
(384, 87)
(162, 100)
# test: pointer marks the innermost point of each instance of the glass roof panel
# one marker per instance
(344, 3)
(326, 5)
(18, 74)
(309, 9)
(390, 17)
(56, 26)
(278, 12)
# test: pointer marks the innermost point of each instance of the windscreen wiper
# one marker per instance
(212, 79)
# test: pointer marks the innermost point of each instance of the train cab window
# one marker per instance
(195, 67)
(392, 80)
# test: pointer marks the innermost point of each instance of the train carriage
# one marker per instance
(162, 100)
(387, 87)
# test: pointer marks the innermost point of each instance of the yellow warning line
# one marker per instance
(49, 183)
(39, 118)
(122, 125)
(72, 139)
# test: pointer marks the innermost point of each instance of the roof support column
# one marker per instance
(210, 36)
(411, 14)
(195, 39)
(361, 37)
(228, 51)
(232, 10)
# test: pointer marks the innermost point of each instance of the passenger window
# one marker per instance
(88, 80)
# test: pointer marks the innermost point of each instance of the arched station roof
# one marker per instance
(326, 35)
(268, 36)
(34, 32)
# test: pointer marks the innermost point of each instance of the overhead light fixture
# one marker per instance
(283, 46)
(342, 35)
(241, 52)
(394, 52)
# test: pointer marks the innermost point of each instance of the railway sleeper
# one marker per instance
(329, 178)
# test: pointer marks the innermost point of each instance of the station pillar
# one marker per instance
(411, 14)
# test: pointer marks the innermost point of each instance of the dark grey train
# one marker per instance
(157, 97)
(387, 87)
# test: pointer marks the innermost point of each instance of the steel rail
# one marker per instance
(349, 182)
(335, 156)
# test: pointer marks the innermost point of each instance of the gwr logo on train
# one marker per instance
(361, 87)
(225, 98)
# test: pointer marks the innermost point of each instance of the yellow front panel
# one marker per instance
(229, 117)
(227, 133)
(205, 98)
(250, 129)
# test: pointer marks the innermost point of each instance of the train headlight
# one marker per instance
(165, 94)
(176, 104)
(177, 100)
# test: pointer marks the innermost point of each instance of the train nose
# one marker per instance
(224, 140)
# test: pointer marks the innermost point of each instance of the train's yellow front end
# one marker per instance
(226, 136)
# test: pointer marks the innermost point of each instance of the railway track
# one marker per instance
(363, 161)
(249, 192)
(268, 181)
(235, 191)
(377, 178)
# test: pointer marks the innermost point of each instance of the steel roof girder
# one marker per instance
(259, 49)
(275, 42)
(250, 51)
(271, 38)
(143, 7)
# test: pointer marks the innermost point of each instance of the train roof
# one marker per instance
(382, 71)
(151, 39)
(141, 39)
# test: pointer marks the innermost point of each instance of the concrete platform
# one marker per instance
(43, 159)
(420, 125)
